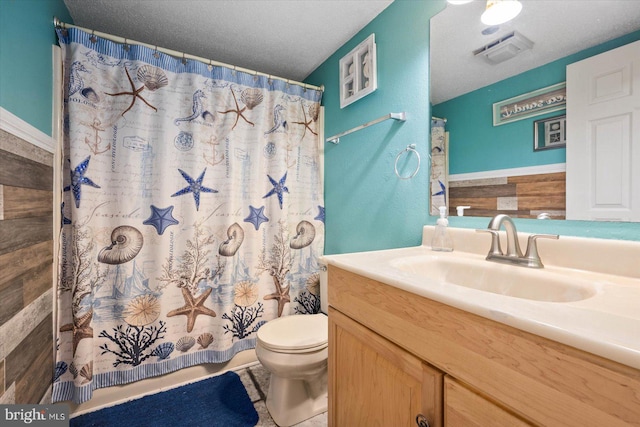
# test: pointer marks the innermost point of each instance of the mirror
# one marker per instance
(496, 169)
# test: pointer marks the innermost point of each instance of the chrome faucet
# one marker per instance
(513, 255)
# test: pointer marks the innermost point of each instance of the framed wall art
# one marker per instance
(541, 101)
(550, 133)
(358, 72)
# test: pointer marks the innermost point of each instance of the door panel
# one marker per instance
(603, 136)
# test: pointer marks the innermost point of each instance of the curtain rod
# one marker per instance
(59, 24)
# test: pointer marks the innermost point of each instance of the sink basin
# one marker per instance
(513, 281)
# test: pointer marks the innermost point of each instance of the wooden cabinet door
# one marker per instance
(373, 382)
(465, 408)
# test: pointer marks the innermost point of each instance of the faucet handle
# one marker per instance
(495, 241)
(532, 248)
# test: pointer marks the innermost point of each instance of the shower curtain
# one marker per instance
(439, 165)
(192, 212)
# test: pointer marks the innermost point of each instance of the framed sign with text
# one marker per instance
(541, 101)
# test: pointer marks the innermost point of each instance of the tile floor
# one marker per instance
(256, 380)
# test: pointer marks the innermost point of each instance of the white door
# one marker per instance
(603, 136)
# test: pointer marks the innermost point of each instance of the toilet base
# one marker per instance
(290, 401)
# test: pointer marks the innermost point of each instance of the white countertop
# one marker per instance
(606, 324)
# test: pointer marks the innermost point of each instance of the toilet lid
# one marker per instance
(295, 332)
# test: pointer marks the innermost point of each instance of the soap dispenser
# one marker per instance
(441, 239)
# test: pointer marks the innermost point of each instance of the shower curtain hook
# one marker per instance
(93, 37)
(184, 59)
(60, 25)
(126, 46)
(156, 54)
(210, 66)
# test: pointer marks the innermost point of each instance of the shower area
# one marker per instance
(191, 212)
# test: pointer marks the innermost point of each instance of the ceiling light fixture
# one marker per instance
(500, 11)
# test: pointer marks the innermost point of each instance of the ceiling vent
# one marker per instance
(504, 48)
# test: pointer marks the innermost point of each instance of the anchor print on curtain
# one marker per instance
(192, 212)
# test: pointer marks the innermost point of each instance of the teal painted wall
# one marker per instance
(476, 145)
(367, 206)
(26, 78)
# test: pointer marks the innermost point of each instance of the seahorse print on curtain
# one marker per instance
(192, 212)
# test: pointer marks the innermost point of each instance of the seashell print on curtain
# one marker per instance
(192, 212)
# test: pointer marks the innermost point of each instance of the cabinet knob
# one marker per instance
(421, 421)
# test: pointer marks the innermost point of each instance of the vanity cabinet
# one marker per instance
(466, 408)
(394, 354)
(376, 383)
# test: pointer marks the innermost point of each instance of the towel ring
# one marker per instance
(410, 148)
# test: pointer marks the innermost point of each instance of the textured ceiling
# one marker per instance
(288, 39)
(557, 27)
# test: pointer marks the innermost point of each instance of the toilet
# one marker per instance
(294, 350)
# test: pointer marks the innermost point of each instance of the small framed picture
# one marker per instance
(358, 72)
(550, 133)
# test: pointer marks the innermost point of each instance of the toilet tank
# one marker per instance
(324, 278)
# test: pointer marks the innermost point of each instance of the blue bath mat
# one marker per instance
(220, 401)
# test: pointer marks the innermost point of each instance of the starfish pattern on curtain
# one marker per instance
(173, 250)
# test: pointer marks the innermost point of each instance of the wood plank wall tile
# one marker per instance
(532, 203)
(543, 188)
(476, 203)
(17, 171)
(20, 202)
(504, 190)
(26, 269)
(19, 147)
(531, 194)
(557, 176)
(10, 300)
(37, 380)
(22, 324)
(13, 264)
(24, 232)
(36, 281)
(21, 363)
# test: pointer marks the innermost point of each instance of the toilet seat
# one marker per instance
(295, 334)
